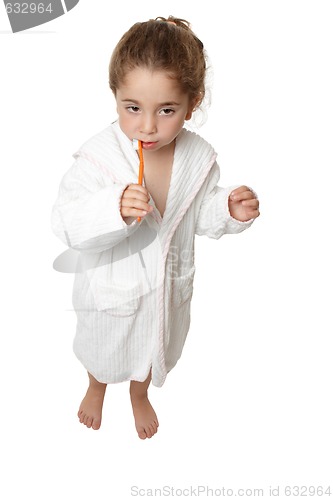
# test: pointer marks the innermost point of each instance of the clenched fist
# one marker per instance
(134, 202)
(243, 204)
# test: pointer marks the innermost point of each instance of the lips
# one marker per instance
(148, 145)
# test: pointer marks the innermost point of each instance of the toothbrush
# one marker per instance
(138, 147)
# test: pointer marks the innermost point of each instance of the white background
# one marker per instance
(250, 403)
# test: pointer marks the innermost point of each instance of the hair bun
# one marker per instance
(181, 23)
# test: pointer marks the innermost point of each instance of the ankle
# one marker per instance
(96, 388)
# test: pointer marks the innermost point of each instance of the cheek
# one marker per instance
(124, 119)
(180, 123)
(125, 125)
(176, 123)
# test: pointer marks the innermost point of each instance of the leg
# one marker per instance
(90, 411)
(146, 422)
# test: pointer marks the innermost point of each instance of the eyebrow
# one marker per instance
(134, 101)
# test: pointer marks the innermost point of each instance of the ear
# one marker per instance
(189, 113)
(192, 108)
(115, 98)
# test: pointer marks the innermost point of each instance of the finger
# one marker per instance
(251, 203)
(252, 213)
(138, 188)
(133, 212)
(135, 195)
(136, 204)
(239, 190)
(245, 194)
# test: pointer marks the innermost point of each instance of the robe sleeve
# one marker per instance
(86, 215)
(214, 218)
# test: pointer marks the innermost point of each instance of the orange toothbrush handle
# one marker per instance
(141, 166)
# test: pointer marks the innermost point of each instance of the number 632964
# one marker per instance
(28, 8)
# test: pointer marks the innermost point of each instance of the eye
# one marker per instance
(133, 109)
(167, 111)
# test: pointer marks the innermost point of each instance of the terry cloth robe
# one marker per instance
(134, 282)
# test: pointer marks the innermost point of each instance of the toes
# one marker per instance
(81, 416)
(96, 424)
(147, 430)
(88, 422)
(149, 433)
(152, 429)
(142, 434)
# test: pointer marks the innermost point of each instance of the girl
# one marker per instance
(134, 284)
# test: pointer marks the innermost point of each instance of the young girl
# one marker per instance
(133, 287)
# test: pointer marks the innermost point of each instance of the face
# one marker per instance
(152, 108)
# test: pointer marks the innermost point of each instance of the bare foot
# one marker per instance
(90, 411)
(146, 422)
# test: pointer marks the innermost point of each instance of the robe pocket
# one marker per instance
(182, 288)
(118, 300)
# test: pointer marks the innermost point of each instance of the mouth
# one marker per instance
(149, 145)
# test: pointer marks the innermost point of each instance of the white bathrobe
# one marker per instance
(134, 282)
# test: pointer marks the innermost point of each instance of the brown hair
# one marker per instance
(162, 44)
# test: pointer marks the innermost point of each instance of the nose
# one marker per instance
(148, 124)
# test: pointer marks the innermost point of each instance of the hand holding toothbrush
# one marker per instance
(134, 202)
